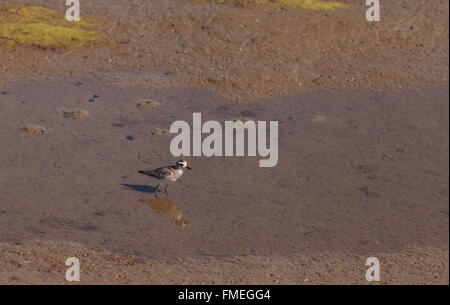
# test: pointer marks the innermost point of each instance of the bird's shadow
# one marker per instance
(141, 188)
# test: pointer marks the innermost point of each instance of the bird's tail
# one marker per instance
(142, 172)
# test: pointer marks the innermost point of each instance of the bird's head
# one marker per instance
(182, 164)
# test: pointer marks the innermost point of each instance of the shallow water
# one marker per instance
(346, 180)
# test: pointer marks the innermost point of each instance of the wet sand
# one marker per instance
(350, 182)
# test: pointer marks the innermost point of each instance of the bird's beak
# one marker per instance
(188, 168)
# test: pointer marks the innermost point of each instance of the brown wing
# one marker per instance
(159, 173)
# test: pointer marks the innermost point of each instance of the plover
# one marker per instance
(169, 173)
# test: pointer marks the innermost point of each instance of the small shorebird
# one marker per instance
(168, 173)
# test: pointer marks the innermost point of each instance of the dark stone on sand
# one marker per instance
(93, 98)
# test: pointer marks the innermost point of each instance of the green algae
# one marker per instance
(44, 28)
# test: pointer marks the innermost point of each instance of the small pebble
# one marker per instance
(92, 99)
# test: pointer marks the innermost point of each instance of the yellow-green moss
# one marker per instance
(42, 27)
(302, 4)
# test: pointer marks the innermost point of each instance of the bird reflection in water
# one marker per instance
(165, 207)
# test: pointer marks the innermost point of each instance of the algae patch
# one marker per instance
(44, 28)
(302, 4)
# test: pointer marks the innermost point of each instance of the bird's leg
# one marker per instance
(156, 190)
(165, 190)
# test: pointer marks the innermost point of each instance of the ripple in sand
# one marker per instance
(76, 114)
(165, 207)
(148, 105)
(33, 129)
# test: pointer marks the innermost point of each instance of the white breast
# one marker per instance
(177, 174)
